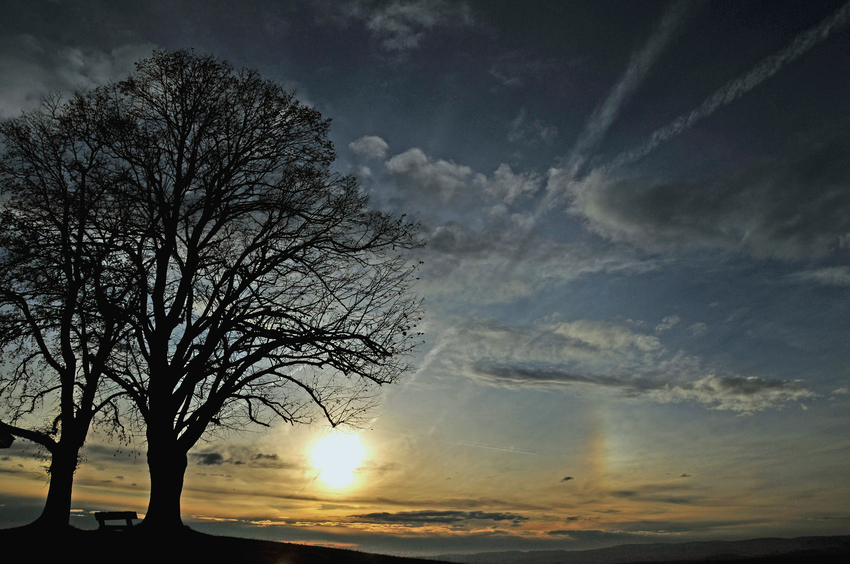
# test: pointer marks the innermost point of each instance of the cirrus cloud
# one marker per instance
(793, 206)
(586, 355)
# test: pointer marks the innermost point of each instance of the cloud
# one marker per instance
(606, 335)
(734, 89)
(513, 376)
(736, 393)
(667, 323)
(530, 131)
(400, 26)
(829, 276)
(793, 206)
(269, 461)
(516, 69)
(639, 65)
(478, 227)
(428, 517)
(507, 186)
(587, 355)
(240, 456)
(458, 257)
(32, 67)
(371, 147)
(493, 206)
(555, 354)
(698, 329)
(436, 176)
(744, 395)
(208, 458)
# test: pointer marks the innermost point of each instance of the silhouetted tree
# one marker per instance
(269, 290)
(57, 331)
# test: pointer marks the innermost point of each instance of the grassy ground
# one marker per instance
(137, 546)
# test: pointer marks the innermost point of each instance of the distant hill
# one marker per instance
(783, 551)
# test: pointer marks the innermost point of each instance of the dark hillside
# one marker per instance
(137, 546)
(754, 551)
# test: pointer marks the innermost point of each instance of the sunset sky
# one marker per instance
(636, 277)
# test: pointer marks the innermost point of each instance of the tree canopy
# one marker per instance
(254, 282)
(57, 332)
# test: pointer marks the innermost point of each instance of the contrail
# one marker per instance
(513, 450)
(458, 443)
(734, 89)
(603, 117)
(639, 64)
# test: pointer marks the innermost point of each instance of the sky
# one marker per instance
(636, 278)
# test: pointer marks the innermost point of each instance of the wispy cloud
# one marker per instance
(528, 131)
(595, 355)
(745, 395)
(740, 212)
(736, 393)
(240, 456)
(428, 517)
(600, 121)
(792, 205)
(32, 67)
(401, 25)
(478, 226)
(828, 276)
(639, 66)
(734, 89)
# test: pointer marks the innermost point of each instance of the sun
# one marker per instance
(337, 457)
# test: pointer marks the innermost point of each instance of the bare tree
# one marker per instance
(268, 288)
(57, 330)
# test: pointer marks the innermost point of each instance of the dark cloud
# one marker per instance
(792, 206)
(675, 492)
(270, 461)
(208, 458)
(511, 374)
(239, 458)
(455, 239)
(734, 393)
(595, 537)
(420, 518)
(604, 355)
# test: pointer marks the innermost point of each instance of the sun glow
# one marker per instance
(337, 457)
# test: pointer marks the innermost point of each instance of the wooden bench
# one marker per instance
(104, 516)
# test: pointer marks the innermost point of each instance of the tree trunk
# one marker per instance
(167, 463)
(57, 508)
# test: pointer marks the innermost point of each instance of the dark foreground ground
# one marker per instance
(140, 546)
(137, 546)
